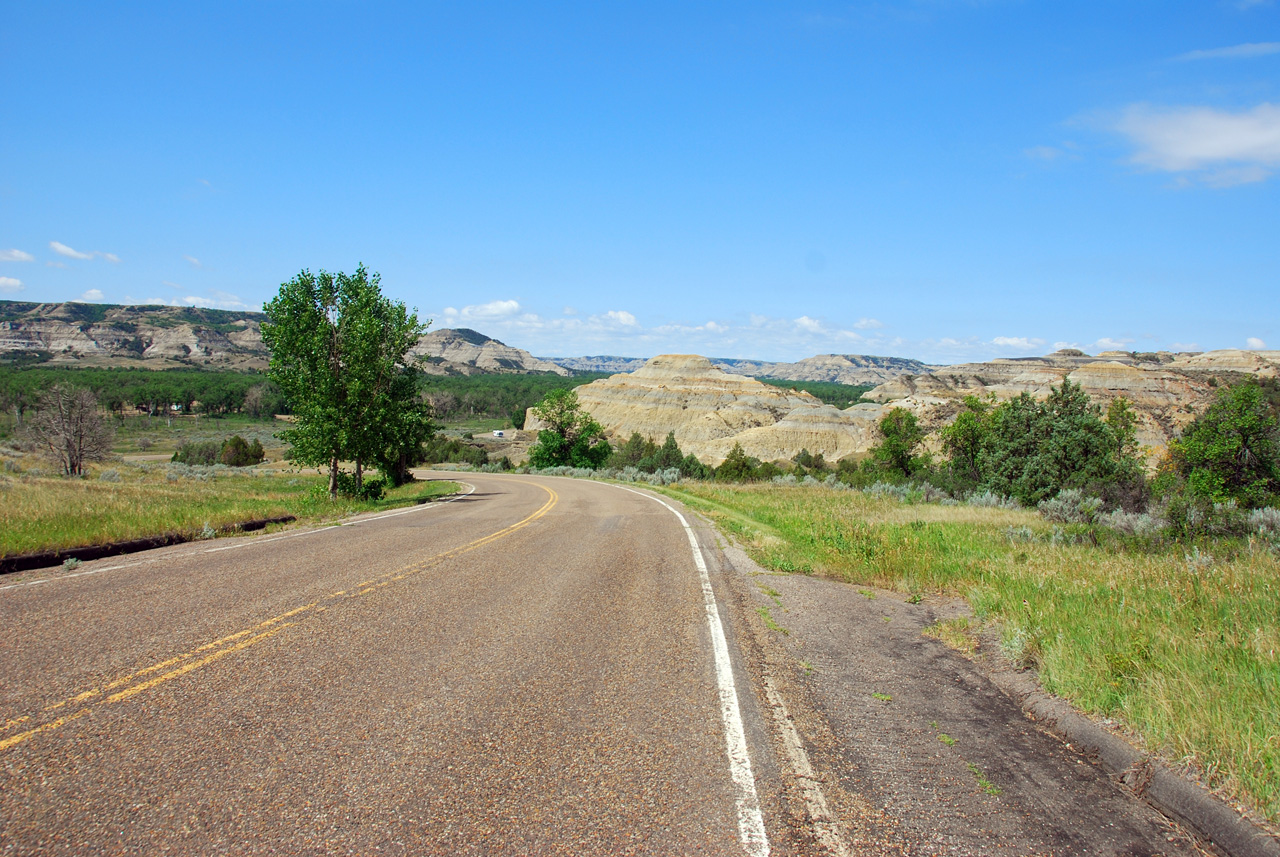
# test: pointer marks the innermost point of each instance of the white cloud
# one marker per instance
(1185, 346)
(71, 253)
(811, 325)
(1058, 346)
(1229, 148)
(622, 317)
(482, 312)
(63, 250)
(92, 296)
(1245, 51)
(868, 324)
(55, 264)
(1255, 344)
(1022, 343)
(10, 285)
(15, 256)
(220, 300)
(195, 263)
(569, 311)
(1106, 343)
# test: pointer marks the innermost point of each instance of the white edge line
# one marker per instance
(751, 830)
(251, 543)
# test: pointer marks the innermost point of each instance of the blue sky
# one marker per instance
(921, 178)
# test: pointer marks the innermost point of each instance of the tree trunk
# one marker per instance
(359, 475)
(333, 478)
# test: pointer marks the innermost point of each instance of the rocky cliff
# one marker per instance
(161, 336)
(710, 410)
(466, 352)
(853, 369)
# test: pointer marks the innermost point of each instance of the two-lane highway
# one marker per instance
(531, 668)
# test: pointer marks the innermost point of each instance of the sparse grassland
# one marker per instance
(1181, 646)
(41, 511)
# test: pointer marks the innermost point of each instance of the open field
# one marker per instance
(42, 511)
(1180, 646)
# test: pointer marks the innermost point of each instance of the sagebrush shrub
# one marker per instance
(1071, 506)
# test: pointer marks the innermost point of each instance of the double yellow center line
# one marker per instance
(177, 666)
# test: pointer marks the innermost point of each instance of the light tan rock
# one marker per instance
(685, 394)
(467, 352)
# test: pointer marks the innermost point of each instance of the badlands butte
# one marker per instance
(710, 404)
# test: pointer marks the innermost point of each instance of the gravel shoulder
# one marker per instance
(916, 750)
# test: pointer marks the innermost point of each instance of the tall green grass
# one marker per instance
(39, 512)
(1183, 649)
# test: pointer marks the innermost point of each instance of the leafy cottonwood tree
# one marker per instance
(70, 429)
(339, 355)
(902, 434)
(1232, 450)
(571, 436)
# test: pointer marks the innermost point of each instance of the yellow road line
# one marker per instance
(194, 665)
(52, 724)
(222, 649)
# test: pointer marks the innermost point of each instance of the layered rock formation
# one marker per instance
(466, 352)
(853, 369)
(162, 336)
(710, 410)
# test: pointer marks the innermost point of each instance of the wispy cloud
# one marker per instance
(868, 324)
(1235, 52)
(1021, 343)
(72, 253)
(195, 263)
(10, 285)
(63, 250)
(1219, 147)
(15, 256)
(1106, 343)
(217, 300)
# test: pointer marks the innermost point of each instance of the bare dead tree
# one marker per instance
(69, 428)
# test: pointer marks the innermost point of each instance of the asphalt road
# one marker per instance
(541, 666)
(527, 669)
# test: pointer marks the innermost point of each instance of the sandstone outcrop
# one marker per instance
(853, 369)
(163, 336)
(710, 410)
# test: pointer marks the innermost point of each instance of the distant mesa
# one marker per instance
(159, 337)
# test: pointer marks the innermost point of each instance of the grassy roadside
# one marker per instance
(39, 512)
(1183, 649)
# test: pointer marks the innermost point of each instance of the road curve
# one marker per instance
(527, 669)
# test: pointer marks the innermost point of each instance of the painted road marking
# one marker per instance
(255, 634)
(252, 542)
(751, 830)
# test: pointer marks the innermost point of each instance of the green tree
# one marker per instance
(963, 440)
(1232, 450)
(570, 436)
(737, 466)
(1032, 450)
(339, 356)
(663, 457)
(901, 435)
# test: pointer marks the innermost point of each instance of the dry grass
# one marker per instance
(1184, 650)
(45, 512)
